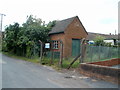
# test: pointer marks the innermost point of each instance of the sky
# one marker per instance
(99, 16)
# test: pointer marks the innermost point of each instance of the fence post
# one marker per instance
(61, 53)
(52, 54)
(99, 53)
(41, 50)
(81, 49)
(91, 51)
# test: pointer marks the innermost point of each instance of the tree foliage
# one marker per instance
(51, 24)
(99, 40)
(23, 40)
(11, 38)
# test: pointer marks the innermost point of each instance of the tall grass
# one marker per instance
(46, 61)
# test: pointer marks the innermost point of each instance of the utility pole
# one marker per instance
(1, 20)
(115, 32)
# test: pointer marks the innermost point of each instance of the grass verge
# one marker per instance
(35, 60)
(47, 61)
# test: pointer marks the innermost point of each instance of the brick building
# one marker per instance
(70, 31)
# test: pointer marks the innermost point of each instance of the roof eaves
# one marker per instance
(56, 33)
(82, 25)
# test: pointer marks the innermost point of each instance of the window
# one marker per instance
(55, 44)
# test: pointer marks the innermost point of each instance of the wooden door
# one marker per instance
(75, 47)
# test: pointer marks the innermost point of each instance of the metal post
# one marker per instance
(99, 53)
(82, 50)
(52, 57)
(41, 50)
(91, 51)
(52, 53)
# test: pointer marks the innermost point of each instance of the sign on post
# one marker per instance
(47, 45)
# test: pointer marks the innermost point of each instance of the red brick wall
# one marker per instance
(75, 31)
(108, 62)
(60, 36)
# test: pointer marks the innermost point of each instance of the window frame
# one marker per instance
(55, 44)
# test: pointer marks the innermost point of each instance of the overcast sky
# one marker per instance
(99, 16)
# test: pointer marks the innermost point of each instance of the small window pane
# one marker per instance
(55, 44)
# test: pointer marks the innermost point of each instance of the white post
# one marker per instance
(1, 21)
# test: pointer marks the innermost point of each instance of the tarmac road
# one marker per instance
(22, 74)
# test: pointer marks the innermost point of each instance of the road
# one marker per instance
(22, 74)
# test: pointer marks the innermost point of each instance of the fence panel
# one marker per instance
(56, 55)
(99, 53)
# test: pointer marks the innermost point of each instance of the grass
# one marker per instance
(65, 63)
(47, 61)
(35, 60)
(108, 59)
(95, 58)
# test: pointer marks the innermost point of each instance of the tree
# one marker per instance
(11, 37)
(34, 30)
(99, 40)
(51, 24)
(24, 40)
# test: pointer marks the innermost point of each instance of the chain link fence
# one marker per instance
(56, 55)
(92, 54)
(100, 53)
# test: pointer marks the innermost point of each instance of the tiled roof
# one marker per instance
(61, 26)
(92, 36)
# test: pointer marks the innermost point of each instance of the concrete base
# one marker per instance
(102, 71)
